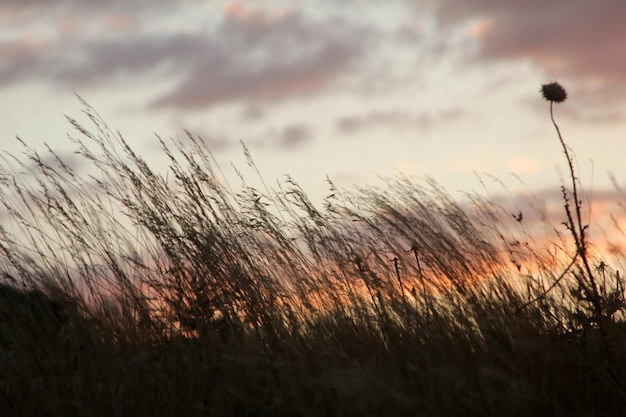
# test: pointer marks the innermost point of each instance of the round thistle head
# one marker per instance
(554, 92)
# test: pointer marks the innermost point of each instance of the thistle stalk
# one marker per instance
(555, 93)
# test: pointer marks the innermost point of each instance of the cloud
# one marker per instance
(252, 113)
(294, 136)
(276, 58)
(247, 55)
(17, 56)
(395, 119)
(245, 12)
(286, 138)
(27, 9)
(91, 62)
(568, 38)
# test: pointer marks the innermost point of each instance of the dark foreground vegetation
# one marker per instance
(132, 292)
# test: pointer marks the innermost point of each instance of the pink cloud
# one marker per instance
(245, 12)
(579, 39)
(535, 221)
(119, 22)
(252, 55)
(289, 57)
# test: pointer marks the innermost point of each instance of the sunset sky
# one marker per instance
(352, 90)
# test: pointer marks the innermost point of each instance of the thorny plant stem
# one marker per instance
(578, 232)
(576, 228)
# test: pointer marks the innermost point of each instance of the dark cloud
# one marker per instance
(294, 136)
(130, 58)
(257, 61)
(252, 113)
(91, 62)
(250, 55)
(35, 8)
(569, 38)
(286, 138)
(395, 119)
(215, 141)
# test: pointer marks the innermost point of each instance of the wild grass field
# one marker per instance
(140, 292)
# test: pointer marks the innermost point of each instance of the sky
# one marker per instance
(351, 90)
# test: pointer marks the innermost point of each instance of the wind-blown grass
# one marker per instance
(177, 293)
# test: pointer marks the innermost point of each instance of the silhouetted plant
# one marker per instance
(603, 300)
(196, 297)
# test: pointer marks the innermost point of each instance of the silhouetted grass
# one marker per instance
(132, 291)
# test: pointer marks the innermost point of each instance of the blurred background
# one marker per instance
(352, 90)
